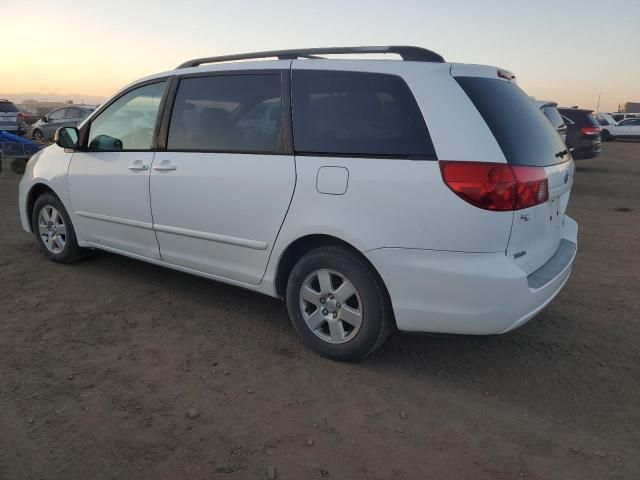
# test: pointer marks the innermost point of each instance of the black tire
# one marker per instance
(18, 165)
(37, 135)
(371, 299)
(605, 135)
(71, 252)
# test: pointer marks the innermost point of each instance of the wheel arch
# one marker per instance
(35, 191)
(302, 245)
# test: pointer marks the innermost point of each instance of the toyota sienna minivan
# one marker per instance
(413, 194)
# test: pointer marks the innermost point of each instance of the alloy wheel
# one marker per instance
(52, 229)
(331, 306)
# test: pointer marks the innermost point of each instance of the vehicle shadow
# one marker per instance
(424, 354)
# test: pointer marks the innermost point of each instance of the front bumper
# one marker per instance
(469, 293)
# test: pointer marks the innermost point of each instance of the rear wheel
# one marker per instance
(54, 231)
(337, 304)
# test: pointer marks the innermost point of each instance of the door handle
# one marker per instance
(165, 166)
(138, 165)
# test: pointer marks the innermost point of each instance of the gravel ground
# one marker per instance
(116, 369)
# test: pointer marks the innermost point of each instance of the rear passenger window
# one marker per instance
(227, 113)
(357, 114)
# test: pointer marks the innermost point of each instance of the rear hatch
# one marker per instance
(526, 138)
(8, 115)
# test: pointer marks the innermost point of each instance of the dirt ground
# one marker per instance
(116, 369)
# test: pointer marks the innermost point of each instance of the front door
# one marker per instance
(221, 190)
(109, 180)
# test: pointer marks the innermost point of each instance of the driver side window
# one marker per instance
(129, 122)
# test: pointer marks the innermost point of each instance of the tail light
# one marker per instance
(496, 186)
(20, 117)
(590, 130)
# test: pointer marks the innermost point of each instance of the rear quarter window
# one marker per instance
(357, 114)
(523, 132)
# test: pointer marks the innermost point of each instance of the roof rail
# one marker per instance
(414, 54)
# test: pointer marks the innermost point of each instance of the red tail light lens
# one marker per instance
(496, 186)
(20, 117)
(590, 130)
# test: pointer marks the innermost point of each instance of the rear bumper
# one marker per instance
(470, 293)
(587, 149)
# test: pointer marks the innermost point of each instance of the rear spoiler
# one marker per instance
(486, 71)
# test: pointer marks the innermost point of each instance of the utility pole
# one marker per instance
(598, 107)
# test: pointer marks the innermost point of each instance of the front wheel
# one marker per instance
(606, 136)
(337, 304)
(37, 135)
(54, 231)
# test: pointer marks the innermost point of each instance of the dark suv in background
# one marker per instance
(583, 132)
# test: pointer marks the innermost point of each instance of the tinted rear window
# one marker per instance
(593, 120)
(523, 132)
(7, 107)
(357, 114)
(581, 117)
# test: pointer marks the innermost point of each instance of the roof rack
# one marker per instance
(413, 54)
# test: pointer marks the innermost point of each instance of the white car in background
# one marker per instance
(619, 116)
(628, 128)
(625, 129)
(370, 194)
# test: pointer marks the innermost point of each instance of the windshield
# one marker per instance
(523, 132)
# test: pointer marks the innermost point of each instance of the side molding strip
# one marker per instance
(121, 221)
(185, 232)
(213, 237)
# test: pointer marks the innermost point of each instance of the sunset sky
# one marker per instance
(567, 51)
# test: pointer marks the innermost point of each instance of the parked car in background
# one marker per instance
(583, 132)
(619, 116)
(268, 181)
(46, 127)
(11, 119)
(550, 110)
(606, 121)
(629, 129)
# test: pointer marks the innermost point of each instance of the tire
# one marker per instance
(327, 326)
(605, 135)
(18, 166)
(57, 247)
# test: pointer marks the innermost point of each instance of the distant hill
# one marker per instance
(54, 97)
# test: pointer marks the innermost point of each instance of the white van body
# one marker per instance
(245, 217)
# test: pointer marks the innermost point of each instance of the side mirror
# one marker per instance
(44, 119)
(67, 137)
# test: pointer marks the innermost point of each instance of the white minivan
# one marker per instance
(370, 194)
